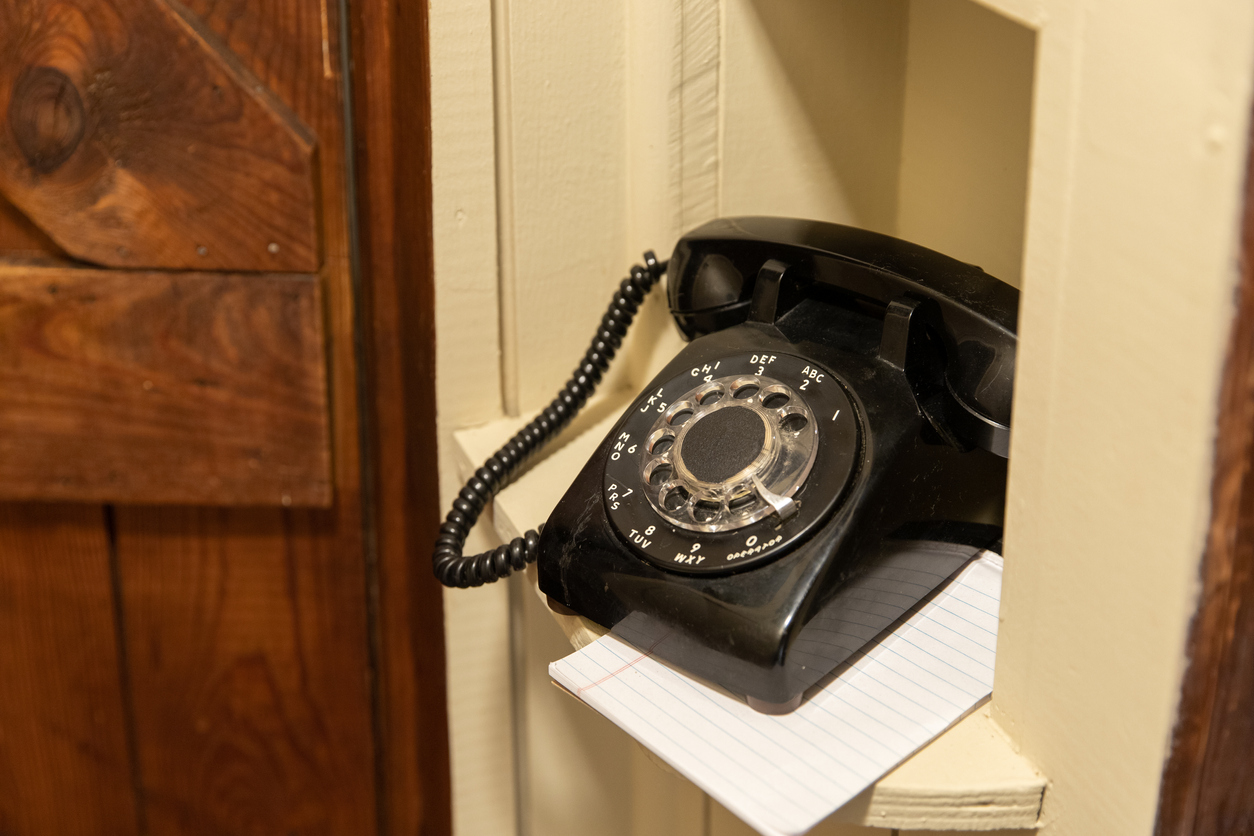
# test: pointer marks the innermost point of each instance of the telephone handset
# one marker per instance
(827, 450)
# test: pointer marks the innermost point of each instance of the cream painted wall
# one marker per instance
(530, 161)
(1139, 143)
(568, 117)
(615, 125)
(468, 391)
(811, 109)
(963, 183)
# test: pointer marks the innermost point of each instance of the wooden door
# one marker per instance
(213, 614)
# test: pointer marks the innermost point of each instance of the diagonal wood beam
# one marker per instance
(134, 139)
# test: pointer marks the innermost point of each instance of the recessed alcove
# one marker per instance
(908, 117)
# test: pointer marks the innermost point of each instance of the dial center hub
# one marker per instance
(723, 443)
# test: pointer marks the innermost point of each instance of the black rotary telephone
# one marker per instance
(827, 450)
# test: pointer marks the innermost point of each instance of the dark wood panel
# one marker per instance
(298, 749)
(1208, 783)
(393, 164)
(250, 673)
(133, 140)
(162, 387)
(293, 47)
(64, 765)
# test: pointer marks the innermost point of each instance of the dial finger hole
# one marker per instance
(658, 473)
(710, 395)
(704, 510)
(675, 498)
(742, 390)
(660, 442)
(679, 413)
(775, 398)
(794, 423)
(741, 503)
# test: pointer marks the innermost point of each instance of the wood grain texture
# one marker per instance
(1208, 782)
(393, 157)
(249, 669)
(18, 236)
(64, 764)
(283, 730)
(161, 387)
(133, 139)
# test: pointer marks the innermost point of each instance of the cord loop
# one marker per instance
(453, 568)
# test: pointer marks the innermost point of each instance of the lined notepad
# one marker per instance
(784, 774)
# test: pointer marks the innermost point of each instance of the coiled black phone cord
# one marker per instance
(450, 565)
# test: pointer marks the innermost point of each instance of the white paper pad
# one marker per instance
(784, 774)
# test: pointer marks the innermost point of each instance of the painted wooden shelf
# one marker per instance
(969, 778)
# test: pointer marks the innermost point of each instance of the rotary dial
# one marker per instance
(725, 465)
(728, 453)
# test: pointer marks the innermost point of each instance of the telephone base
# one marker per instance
(969, 778)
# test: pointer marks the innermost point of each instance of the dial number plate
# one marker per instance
(684, 512)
